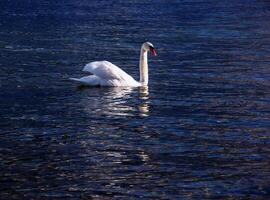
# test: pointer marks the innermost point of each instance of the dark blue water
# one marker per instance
(201, 130)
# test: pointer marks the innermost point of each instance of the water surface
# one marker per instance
(199, 131)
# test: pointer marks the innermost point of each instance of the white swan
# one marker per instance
(108, 74)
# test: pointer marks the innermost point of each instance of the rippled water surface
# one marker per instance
(200, 130)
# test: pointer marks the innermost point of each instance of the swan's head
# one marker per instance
(148, 46)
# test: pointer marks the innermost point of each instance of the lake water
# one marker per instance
(201, 130)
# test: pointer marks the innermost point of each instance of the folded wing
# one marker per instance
(106, 70)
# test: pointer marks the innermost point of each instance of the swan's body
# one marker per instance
(108, 74)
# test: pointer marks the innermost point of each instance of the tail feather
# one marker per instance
(75, 79)
(91, 80)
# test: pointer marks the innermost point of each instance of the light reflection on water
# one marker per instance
(199, 131)
(116, 101)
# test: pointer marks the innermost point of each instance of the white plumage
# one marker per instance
(108, 74)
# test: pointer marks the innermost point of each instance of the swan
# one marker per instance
(105, 73)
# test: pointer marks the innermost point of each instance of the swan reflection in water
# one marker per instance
(110, 103)
(116, 101)
(144, 105)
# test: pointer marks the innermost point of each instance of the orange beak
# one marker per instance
(153, 51)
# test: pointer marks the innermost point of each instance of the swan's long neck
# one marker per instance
(143, 67)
